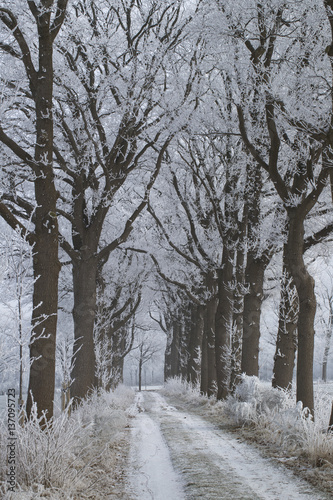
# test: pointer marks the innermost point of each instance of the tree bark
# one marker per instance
(286, 342)
(44, 321)
(254, 278)
(223, 323)
(46, 265)
(237, 330)
(329, 333)
(174, 350)
(209, 327)
(307, 307)
(330, 425)
(117, 348)
(140, 375)
(172, 362)
(185, 329)
(195, 344)
(204, 363)
(167, 357)
(255, 266)
(84, 312)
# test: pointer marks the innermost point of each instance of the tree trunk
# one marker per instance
(45, 260)
(307, 307)
(167, 357)
(84, 288)
(223, 323)
(209, 326)
(174, 350)
(204, 363)
(237, 330)
(115, 367)
(324, 372)
(171, 360)
(195, 345)
(255, 266)
(328, 338)
(254, 278)
(286, 342)
(185, 335)
(44, 322)
(140, 375)
(330, 425)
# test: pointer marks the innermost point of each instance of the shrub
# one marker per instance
(68, 453)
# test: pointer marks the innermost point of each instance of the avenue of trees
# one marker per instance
(158, 159)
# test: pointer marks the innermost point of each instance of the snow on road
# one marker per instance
(151, 472)
(176, 456)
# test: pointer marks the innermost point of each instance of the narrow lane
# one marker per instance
(176, 455)
(151, 474)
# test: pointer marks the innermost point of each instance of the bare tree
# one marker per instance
(145, 350)
(299, 190)
(115, 124)
(36, 94)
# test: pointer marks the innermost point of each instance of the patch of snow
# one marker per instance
(208, 461)
(151, 473)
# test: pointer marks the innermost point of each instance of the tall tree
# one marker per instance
(117, 111)
(309, 154)
(286, 342)
(36, 91)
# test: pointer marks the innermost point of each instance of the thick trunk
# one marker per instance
(208, 361)
(167, 359)
(330, 425)
(45, 261)
(185, 335)
(84, 311)
(254, 270)
(324, 372)
(44, 322)
(237, 330)
(174, 350)
(118, 358)
(121, 371)
(171, 360)
(286, 342)
(254, 279)
(118, 351)
(209, 326)
(329, 333)
(195, 345)
(140, 375)
(223, 323)
(307, 308)
(204, 364)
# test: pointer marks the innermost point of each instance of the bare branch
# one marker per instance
(8, 18)
(17, 150)
(59, 17)
(318, 237)
(105, 252)
(180, 285)
(15, 224)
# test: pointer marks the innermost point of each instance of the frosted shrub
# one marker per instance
(316, 442)
(277, 419)
(273, 415)
(73, 454)
(177, 387)
(252, 399)
(41, 454)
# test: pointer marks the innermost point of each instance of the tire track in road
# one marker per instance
(151, 475)
(200, 460)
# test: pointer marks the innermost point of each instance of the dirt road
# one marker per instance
(176, 455)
